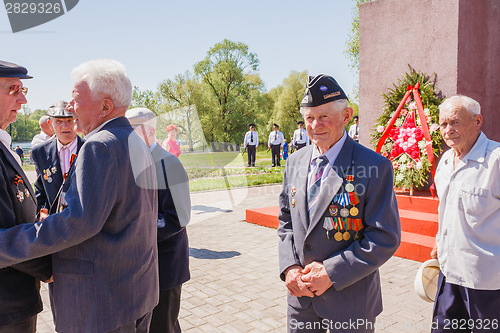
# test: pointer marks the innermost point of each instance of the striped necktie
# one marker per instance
(315, 185)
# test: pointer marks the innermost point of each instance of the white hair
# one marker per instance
(43, 119)
(108, 77)
(467, 103)
(337, 105)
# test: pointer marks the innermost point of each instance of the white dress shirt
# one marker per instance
(7, 140)
(331, 154)
(298, 138)
(276, 138)
(39, 138)
(468, 240)
(251, 138)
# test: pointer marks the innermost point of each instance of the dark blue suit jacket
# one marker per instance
(45, 157)
(174, 211)
(19, 297)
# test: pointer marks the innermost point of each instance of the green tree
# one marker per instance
(286, 110)
(352, 50)
(178, 103)
(26, 125)
(231, 91)
(145, 99)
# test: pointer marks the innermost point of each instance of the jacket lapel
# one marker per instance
(300, 176)
(18, 169)
(333, 182)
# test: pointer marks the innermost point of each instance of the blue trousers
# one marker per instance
(461, 309)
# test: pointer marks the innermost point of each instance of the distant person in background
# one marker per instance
(300, 137)
(19, 297)
(285, 150)
(20, 152)
(251, 143)
(46, 132)
(53, 158)
(174, 213)
(170, 144)
(354, 129)
(275, 143)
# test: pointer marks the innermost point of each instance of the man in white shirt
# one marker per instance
(251, 143)
(467, 243)
(46, 131)
(300, 137)
(275, 143)
(354, 129)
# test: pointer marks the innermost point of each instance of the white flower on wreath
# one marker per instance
(399, 122)
(419, 165)
(380, 129)
(399, 177)
(434, 127)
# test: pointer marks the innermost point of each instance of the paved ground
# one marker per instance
(235, 285)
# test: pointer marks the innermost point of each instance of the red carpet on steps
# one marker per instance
(419, 224)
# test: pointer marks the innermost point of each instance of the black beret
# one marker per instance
(251, 125)
(300, 122)
(8, 69)
(321, 89)
(58, 110)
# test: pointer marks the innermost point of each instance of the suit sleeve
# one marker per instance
(382, 234)
(286, 247)
(84, 217)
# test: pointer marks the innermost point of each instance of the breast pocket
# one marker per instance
(477, 203)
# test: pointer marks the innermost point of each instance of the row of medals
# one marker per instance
(47, 173)
(20, 195)
(344, 212)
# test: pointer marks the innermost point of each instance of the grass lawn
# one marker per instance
(224, 170)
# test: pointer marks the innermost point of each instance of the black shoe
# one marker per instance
(273, 165)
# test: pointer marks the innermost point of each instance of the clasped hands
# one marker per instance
(310, 281)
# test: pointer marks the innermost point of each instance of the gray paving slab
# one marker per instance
(234, 266)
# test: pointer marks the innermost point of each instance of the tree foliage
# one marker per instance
(231, 91)
(286, 110)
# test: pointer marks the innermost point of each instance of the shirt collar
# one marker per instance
(69, 145)
(97, 129)
(478, 151)
(5, 138)
(331, 153)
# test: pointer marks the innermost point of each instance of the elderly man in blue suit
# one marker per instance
(19, 297)
(53, 158)
(104, 241)
(174, 213)
(338, 220)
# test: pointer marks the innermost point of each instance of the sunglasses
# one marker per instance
(15, 89)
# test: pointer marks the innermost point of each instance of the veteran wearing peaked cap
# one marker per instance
(19, 297)
(338, 220)
(54, 157)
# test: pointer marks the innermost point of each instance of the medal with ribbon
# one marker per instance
(19, 193)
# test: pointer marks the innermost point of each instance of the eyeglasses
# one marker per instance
(15, 89)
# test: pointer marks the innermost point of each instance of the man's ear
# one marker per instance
(107, 107)
(347, 115)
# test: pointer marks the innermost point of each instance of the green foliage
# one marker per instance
(352, 49)
(286, 109)
(145, 99)
(178, 104)
(231, 91)
(26, 125)
(408, 172)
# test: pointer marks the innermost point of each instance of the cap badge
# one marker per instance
(323, 88)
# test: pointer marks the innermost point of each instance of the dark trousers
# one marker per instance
(140, 325)
(25, 326)
(300, 145)
(275, 151)
(166, 312)
(251, 150)
(461, 309)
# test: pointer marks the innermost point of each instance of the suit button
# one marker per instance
(307, 247)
